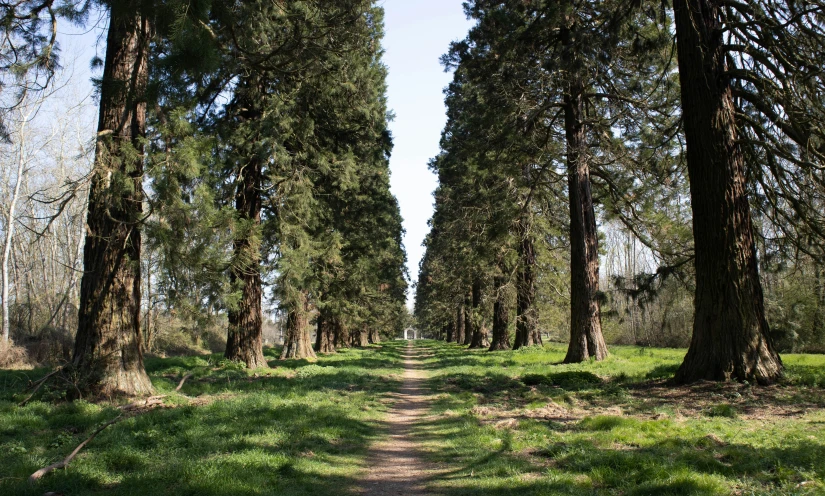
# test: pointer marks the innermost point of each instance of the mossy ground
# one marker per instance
(296, 429)
(520, 423)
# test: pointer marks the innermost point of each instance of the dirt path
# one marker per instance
(397, 465)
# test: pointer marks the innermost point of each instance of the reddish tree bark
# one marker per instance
(297, 338)
(325, 335)
(468, 320)
(108, 358)
(478, 337)
(244, 341)
(527, 315)
(501, 316)
(586, 340)
(459, 324)
(731, 338)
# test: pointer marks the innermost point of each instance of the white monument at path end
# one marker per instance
(411, 333)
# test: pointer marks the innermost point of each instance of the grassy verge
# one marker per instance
(296, 429)
(520, 423)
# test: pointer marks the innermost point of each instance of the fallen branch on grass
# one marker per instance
(65, 462)
(180, 384)
(144, 404)
(37, 385)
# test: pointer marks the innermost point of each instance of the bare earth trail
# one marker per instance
(397, 465)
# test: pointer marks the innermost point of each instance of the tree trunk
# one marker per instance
(460, 322)
(108, 355)
(501, 316)
(360, 339)
(819, 313)
(468, 320)
(297, 342)
(479, 333)
(7, 245)
(586, 340)
(342, 337)
(527, 318)
(325, 335)
(731, 338)
(374, 337)
(244, 342)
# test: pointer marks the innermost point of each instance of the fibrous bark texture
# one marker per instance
(731, 337)
(342, 337)
(360, 338)
(468, 321)
(527, 315)
(459, 324)
(501, 317)
(244, 341)
(108, 358)
(478, 337)
(325, 335)
(297, 342)
(586, 340)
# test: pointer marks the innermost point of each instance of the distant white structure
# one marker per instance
(410, 333)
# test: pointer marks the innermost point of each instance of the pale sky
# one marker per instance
(417, 33)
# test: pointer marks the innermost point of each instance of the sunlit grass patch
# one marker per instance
(521, 423)
(295, 429)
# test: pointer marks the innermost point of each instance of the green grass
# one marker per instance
(505, 423)
(520, 423)
(296, 429)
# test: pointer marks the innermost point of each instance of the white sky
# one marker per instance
(417, 33)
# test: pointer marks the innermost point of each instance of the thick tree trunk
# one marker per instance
(586, 340)
(819, 312)
(342, 337)
(501, 316)
(325, 335)
(108, 358)
(297, 343)
(244, 342)
(731, 338)
(374, 337)
(460, 322)
(527, 315)
(360, 338)
(478, 339)
(468, 320)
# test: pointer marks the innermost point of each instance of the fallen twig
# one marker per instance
(148, 402)
(180, 384)
(38, 385)
(65, 462)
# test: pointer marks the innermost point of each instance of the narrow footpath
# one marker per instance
(397, 465)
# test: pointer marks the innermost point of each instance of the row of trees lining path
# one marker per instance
(247, 144)
(597, 109)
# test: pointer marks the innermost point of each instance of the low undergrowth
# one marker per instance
(521, 423)
(295, 429)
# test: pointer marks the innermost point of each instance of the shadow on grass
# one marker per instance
(305, 433)
(586, 464)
